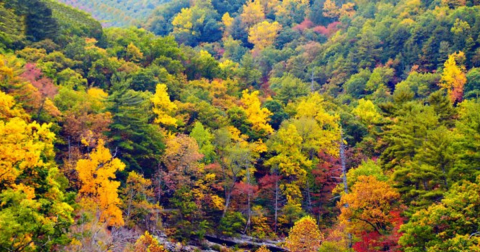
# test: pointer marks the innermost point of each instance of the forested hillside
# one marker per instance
(224, 125)
(117, 12)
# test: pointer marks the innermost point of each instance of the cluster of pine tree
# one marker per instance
(321, 125)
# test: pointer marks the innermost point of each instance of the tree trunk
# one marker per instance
(276, 199)
(345, 184)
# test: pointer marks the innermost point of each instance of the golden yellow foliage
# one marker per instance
(147, 243)
(256, 115)
(22, 144)
(313, 106)
(253, 13)
(133, 53)
(227, 21)
(305, 236)
(264, 34)
(51, 109)
(369, 205)
(367, 111)
(183, 21)
(347, 9)
(163, 107)
(8, 108)
(453, 77)
(99, 188)
(263, 249)
(330, 9)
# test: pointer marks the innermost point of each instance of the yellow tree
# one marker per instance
(227, 22)
(264, 34)
(314, 106)
(305, 236)
(8, 108)
(256, 115)
(367, 111)
(347, 9)
(133, 53)
(21, 143)
(253, 13)
(453, 77)
(33, 211)
(369, 205)
(291, 165)
(148, 243)
(99, 188)
(183, 21)
(163, 107)
(330, 9)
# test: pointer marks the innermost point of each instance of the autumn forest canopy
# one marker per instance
(215, 125)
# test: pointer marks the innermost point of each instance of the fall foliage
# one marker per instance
(304, 236)
(160, 125)
(97, 175)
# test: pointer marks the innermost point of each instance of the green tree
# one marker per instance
(451, 225)
(138, 143)
(289, 88)
(204, 139)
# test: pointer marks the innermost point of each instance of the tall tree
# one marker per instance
(139, 143)
(453, 77)
(99, 188)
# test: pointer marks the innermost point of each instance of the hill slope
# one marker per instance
(117, 12)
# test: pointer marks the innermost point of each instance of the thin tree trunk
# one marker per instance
(309, 198)
(248, 199)
(227, 203)
(276, 199)
(345, 184)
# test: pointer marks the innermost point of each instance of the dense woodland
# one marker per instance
(117, 12)
(314, 125)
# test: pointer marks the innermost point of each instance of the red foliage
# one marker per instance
(306, 24)
(240, 194)
(44, 85)
(327, 31)
(327, 176)
(373, 241)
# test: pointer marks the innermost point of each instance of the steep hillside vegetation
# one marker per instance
(313, 125)
(117, 12)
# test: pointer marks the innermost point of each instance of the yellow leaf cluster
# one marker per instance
(253, 13)
(163, 107)
(330, 9)
(185, 21)
(256, 115)
(133, 53)
(453, 77)
(8, 109)
(22, 144)
(305, 236)
(313, 106)
(227, 21)
(263, 249)
(148, 243)
(264, 34)
(97, 174)
(369, 204)
(367, 111)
